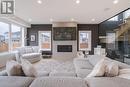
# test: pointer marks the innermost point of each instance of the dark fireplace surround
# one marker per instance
(64, 48)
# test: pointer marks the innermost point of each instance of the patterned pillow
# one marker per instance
(112, 70)
(13, 68)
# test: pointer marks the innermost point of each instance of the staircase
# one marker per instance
(123, 28)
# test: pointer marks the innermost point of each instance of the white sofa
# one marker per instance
(31, 53)
(4, 57)
(84, 66)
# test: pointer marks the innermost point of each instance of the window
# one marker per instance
(85, 40)
(10, 36)
(110, 40)
(114, 19)
(45, 40)
(16, 36)
(127, 14)
(4, 37)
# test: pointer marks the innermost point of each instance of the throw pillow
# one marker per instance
(80, 54)
(99, 69)
(28, 68)
(112, 69)
(3, 73)
(13, 68)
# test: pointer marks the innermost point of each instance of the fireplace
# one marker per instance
(64, 48)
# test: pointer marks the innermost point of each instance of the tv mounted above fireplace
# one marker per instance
(64, 33)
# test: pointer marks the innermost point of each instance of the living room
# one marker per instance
(65, 43)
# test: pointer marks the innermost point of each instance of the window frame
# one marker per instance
(89, 40)
(10, 36)
(125, 14)
(115, 18)
(40, 40)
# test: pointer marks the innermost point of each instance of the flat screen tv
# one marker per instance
(64, 33)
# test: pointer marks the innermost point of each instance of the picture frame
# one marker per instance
(33, 37)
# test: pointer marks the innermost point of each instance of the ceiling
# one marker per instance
(68, 10)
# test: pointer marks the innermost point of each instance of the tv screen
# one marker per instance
(64, 33)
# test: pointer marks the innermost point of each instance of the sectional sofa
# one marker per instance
(83, 67)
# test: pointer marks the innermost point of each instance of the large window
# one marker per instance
(127, 14)
(114, 19)
(4, 37)
(45, 40)
(110, 40)
(10, 36)
(16, 36)
(85, 40)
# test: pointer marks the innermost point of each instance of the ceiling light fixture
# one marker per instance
(51, 19)
(39, 1)
(77, 1)
(93, 19)
(115, 1)
(29, 19)
(72, 19)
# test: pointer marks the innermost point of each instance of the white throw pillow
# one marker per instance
(28, 68)
(99, 69)
(3, 73)
(112, 69)
(13, 68)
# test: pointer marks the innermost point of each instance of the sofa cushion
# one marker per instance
(12, 81)
(82, 63)
(41, 73)
(124, 73)
(28, 68)
(32, 57)
(94, 59)
(21, 51)
(13, 68)
(28, 50)
(82, 73)
(107, 82)
(58, 82)
(120, 64)
(62, 74)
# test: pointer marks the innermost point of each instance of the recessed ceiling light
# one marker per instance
(51, 19)
(115, 1)
(77, 1)
(29, 19)
(72, 19)
(39, 1)
(93, 19)
(106, 9)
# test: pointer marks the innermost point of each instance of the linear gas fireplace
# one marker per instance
(64, 48)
